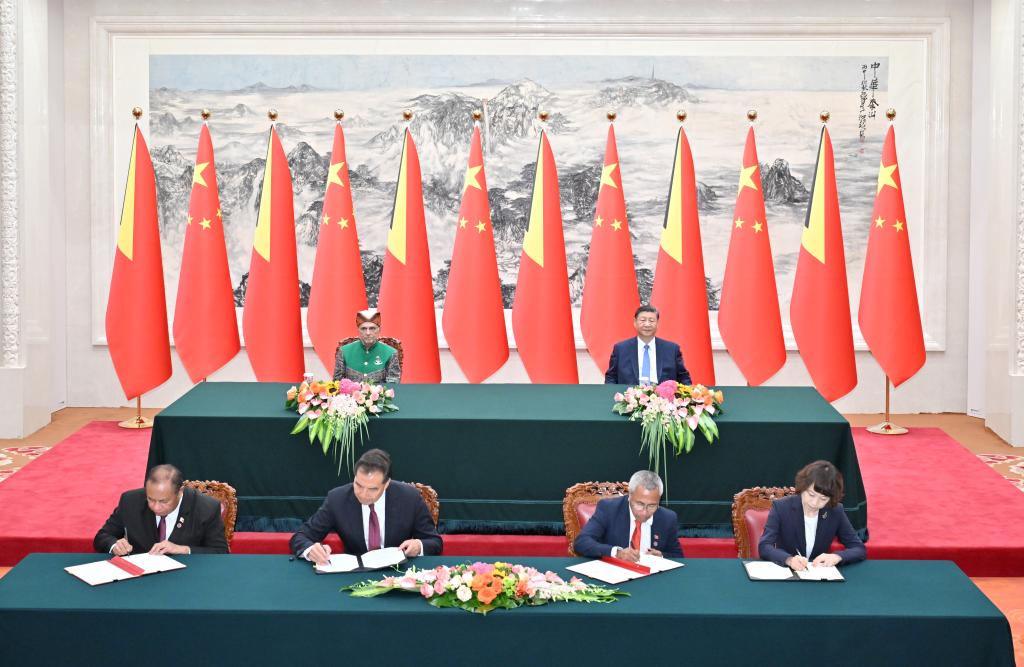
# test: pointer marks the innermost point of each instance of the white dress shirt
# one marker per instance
(810, 530)
(645, 533)
(640, 361)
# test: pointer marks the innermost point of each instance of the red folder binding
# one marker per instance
(130, 568)
(635, 567)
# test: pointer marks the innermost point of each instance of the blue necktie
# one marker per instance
(645, 371)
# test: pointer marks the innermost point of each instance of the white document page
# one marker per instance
(154, 562)
(100, 572)
(339, 563)
(658, 564)
(381, 558)
(606, 572)
(763, 569)
(821, 573)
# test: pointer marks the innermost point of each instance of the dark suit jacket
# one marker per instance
(784, 533)
(623, 369)
(405, 517)
(610, 527)
(199, 525)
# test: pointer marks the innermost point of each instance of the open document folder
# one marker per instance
(126, 567)
(763, 570)
(378, 559)
(614, 571)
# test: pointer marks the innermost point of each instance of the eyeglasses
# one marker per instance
(643, 507)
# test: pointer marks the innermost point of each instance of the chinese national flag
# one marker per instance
(136, 321)
(338, 291)
(680, 292)
(748, 316)
(541, 314)
(406, 300)
(271, 321)
(820, 308)
(474, 319)
(205, 328)
(889, 316)
(610, 296)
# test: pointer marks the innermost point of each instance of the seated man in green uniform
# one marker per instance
(368, 359)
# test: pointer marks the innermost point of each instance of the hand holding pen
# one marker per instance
(797, 562)
(122, 547)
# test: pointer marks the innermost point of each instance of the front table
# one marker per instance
(501, 456)
(255, 610)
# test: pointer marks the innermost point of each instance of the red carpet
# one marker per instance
(928, 498)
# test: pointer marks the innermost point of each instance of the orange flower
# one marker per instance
(523, 588)
(316, 387)
(719, 397)
(292, 393)
(481, 581)
(487, 595)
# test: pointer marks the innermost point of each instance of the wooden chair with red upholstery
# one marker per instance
(224, 494)
(431, 499)
(387, 340)
(750, 513)
(581, 501)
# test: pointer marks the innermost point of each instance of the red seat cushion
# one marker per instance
(755, 520)
(584, 511)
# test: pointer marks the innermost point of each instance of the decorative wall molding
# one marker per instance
(9, 237)
(1018, 356)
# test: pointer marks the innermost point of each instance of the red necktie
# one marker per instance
(635, 542)
(373, 532)
(162, 528)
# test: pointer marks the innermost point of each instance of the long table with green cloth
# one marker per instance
(262, 610)
(502, 456)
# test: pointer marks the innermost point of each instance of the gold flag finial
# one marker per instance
(205, 113)
(543, 115)
(137, 112)
(612, 115)
(751, 115)
(681, 115)
(477, 114)
(272, 114)
(338, 114)
(407, 114)
(890, 113)
(824, 116)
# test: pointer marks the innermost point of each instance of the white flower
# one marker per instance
(464, 594)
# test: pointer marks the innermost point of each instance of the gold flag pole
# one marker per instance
(139, 421)
(886, 427)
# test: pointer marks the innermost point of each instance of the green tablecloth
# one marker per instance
(256, 610)
(503, 455)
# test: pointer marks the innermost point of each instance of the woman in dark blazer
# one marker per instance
(800, 528)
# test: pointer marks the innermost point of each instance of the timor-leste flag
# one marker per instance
(748, 313)
(610, 296)
(271, 321)
(541, 313)
(889, 316)
(680, 292)
(205, 327)
(136, 321)
(406, 300)
(820, 308)
(474, 318)
(338, 291)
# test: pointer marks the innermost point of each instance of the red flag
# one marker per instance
(820, 308)
(748, 315)
(205, 327)
(271, 321)
(680, 292)
(610, 296)
(338, 291)
(474, 319)
(406, 298)
(889, 315)
(136, 320)
(541, 314)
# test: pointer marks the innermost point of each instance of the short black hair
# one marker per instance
(823, 477)
(646, 308)
(375, 460)
(165, 472)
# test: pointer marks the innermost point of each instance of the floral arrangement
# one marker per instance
(483, 587)
(670, 413)
(335, 412)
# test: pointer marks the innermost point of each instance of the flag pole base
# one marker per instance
(886, 428)
(136, 422)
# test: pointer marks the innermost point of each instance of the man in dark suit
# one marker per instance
(646, 359)
(371, 512)
(630, 526)
(163, 518)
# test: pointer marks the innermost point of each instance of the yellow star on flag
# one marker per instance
(739, 223)
(480, 227)
(885, 176)
(326, 220)
(616, 225)
(205, 223)
(470, 180)
(879, 222)
(344, 223)
(189, 219)
(606, 175)
(746, 178)
(197, 174)
(757, 227)
(462, 223)
(898, 226)
(334, 174)
(598, 221)
(218, 213)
